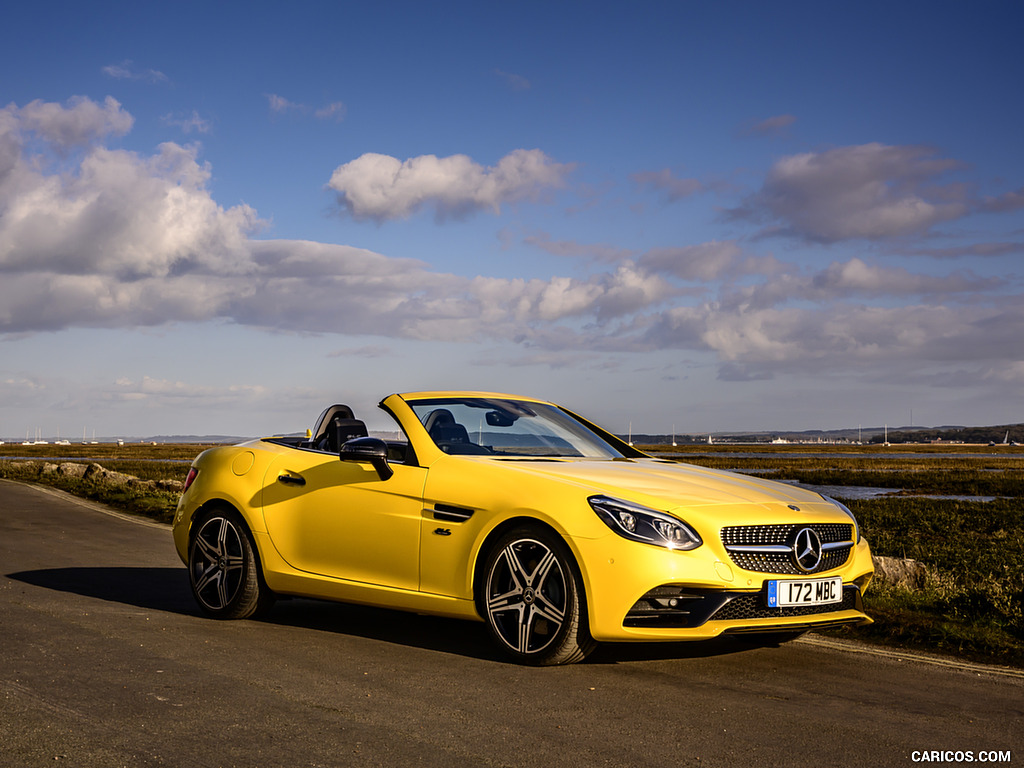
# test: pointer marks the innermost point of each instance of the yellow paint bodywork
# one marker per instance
(348, 535)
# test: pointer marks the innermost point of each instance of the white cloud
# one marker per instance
(969, 250)
(777, 125)
(280, 104)
(666, 182)
(380, 187)
(21, 391)
(126, 71)
(594, 252)
(1008, 201)
(120, 215)
(335, 111)
(884, 342)
(81, 122)
(192, 122)
(857, 278)
(110, 238)
(513, 81)
(369, 351)
(166, 391)
(871, 191)
(706, 261)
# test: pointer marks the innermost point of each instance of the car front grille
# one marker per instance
(769, 548)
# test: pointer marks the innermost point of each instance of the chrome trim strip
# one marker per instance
(836, 545)
(779, 549)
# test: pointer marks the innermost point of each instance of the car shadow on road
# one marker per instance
(166, 589)
(160, 589)
(465, 638)
(434, 633)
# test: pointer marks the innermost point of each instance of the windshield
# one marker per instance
(491, 427)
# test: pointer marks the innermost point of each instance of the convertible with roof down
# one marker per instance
(554, 532)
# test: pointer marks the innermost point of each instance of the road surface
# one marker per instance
(105, 661)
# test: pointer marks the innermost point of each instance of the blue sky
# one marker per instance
(219, 218)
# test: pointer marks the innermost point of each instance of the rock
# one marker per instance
(93, 470)
(170, 485)
(100, 474)
(49, 469)
(70, 469)
(900, 572)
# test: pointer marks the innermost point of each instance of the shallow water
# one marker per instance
(863, 492)
(676, 456)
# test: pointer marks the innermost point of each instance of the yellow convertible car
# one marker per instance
(554, 532)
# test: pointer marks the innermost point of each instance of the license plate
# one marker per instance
(785, 592)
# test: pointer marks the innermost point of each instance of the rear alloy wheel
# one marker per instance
(532, 600)
(223, 569)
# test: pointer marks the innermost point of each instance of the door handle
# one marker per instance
(291, 479)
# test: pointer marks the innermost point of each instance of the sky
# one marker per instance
(219, 218)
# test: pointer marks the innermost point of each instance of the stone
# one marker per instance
(98, 473)
(900, 572)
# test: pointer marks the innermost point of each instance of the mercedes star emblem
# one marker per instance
(807, 550)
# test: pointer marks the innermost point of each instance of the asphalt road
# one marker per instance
(105, 661)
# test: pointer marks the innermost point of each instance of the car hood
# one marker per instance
(666, 484)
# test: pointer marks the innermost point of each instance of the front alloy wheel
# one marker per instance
(532, 600)
(223, 570)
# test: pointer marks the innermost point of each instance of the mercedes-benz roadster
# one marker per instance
(554, 532)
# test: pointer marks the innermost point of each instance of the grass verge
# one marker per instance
(136, 498)
(972, 603)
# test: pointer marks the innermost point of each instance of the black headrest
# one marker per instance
(341, 430)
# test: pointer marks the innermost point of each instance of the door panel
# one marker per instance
(339, 519)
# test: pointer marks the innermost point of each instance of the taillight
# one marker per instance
(193, 473)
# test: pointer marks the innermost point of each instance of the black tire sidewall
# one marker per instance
(248, 598)
(571, 642)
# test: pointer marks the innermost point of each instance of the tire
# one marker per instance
(532, 601)
(224, 572)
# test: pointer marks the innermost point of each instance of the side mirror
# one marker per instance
(371, 450)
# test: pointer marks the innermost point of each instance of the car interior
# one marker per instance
(449, 435)
(336, 426)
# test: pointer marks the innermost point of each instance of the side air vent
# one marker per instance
(452, 514)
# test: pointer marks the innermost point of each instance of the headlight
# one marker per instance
(637, 523)
(846, 509)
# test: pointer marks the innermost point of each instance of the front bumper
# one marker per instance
(644, 593)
